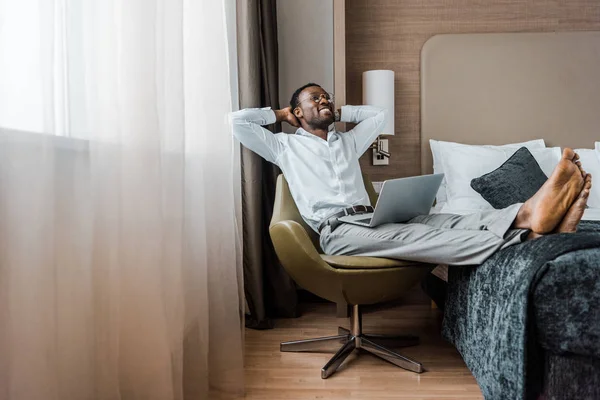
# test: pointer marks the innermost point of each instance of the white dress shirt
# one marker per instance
(324, 176)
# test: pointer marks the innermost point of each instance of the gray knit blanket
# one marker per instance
(540, 295)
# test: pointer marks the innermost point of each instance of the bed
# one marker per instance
(527, 322)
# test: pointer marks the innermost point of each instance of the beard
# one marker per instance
(321, 122)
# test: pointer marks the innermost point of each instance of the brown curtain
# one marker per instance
(270, 292)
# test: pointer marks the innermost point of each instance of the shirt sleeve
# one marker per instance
(370, 119)
(246, 126)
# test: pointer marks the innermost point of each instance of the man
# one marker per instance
(323, 172)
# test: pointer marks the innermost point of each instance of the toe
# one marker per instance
(583, 197)
(583, 173)
(568, 154)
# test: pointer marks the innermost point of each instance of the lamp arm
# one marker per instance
(377, 145)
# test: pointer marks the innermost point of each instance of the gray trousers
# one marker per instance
(435, 238)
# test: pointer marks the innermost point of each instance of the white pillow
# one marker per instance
(591, 163)
(438, 147)
(464, 163)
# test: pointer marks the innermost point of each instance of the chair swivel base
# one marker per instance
(354, 339)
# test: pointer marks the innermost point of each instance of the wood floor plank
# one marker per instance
(270, 374)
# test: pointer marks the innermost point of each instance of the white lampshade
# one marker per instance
(378, 90)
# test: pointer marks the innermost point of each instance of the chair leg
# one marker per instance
(394, 341)
(338, 358)
(351, 339)
(391, 356)
(314, 345)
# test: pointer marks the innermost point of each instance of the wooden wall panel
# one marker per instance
(389, 34)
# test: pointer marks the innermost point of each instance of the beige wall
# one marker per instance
(389, 34)
(305, 35)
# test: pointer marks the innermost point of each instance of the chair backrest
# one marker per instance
(285, 208)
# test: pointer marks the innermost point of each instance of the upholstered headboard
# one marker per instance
(503, 88)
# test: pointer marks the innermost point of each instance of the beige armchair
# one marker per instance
(344, 280)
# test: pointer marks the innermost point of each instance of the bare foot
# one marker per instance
(546, 209)
(578, 163)
(573, 216)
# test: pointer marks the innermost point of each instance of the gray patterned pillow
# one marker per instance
(515, 181)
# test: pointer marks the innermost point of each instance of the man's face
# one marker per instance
(315, 107)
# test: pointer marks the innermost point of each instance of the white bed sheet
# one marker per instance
(591, 214)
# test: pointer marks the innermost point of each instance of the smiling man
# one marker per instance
(323, 172)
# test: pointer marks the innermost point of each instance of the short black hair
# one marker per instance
(294, 101)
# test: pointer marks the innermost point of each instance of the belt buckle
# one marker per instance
(359, 209)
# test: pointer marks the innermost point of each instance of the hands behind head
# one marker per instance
(289, 117)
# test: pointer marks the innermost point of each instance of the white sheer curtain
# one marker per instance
(119, 252)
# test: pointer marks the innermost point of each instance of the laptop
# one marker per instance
(399, 201)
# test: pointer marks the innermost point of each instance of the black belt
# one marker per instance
(333, 219)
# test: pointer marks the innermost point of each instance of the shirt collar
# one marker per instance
(331, 135)
(302, 132)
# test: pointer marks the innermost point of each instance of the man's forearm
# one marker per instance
(247, 128)
(259, 116)
(357, 114)
(371, 121)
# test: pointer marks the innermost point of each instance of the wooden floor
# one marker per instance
(297, 376)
